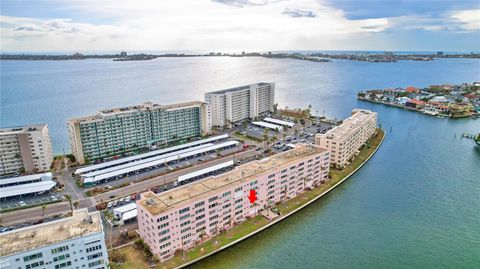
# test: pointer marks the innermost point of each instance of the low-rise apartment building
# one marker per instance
(345, 140)
(240, 103)
(73, 242)
(25, 149)
(119, 130)
(182, 217)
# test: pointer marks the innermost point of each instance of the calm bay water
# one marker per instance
(416, 204)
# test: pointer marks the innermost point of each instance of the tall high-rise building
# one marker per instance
(25, 149)
(237, 104)
(119, 130)
(184, 216)
(73, 242)
(345, 140)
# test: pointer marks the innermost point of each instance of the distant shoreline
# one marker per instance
(312, 57)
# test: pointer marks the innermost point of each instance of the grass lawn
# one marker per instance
(136, 259)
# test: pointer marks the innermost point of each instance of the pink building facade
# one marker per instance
(187, 215)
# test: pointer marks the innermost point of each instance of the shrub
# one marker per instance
(117, 256)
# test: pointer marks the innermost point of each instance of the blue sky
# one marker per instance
(236, 25)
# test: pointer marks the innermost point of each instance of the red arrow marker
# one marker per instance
(252, 197)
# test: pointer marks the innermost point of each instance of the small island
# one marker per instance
(454, 101)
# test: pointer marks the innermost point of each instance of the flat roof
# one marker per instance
(159, 161)
(125, 208)
(349, 124)
(205, 171)
(26, 188)
(281, 122)
(130, 214)
(49, 233)
(148, 154)
(214, 185)
(21, 179)
(267, 125)
(135, 108)
(239, 88)
(146, 160)
(21, 129)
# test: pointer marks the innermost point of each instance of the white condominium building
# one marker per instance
(237, 104)
(345, 140)
(25, 149)
(74, 242)
(115, 131)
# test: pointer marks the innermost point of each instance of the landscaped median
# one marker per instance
(257, 224)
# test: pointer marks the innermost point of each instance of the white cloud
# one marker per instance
(469, 19)
(204, 25)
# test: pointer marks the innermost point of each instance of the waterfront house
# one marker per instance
(411, 89)
(460, 109)
(440, 99)
(403, 100)
(414, 104)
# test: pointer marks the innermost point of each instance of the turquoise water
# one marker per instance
(416, 204)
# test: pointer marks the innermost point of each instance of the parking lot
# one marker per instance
(156, 171)
(300, 133)
(30, 200)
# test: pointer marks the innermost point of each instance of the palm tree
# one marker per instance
(265, 139)
(69, 199)
(44, 207)
(109, 216)
(76, 204)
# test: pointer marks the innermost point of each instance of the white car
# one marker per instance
(110, 204)
(22, 203)
(127, 199)
(54, 198)
(115, 203)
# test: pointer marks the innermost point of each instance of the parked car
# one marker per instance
(133, 197)
(115, 203)
(127, 199)
(22, 203)
(54, 198)
(110, 204)
(5, 229)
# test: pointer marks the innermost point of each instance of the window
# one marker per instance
(184, 210)
(212, 199)
(94, 256)
(65, 264)
(162, 218)
(90, 249)
(200, 204)
(184, 216)
(59, 249)
(163, 225)
(32, 257)
(61, 257)
(95, 263)
(226, 193)
(271, 176)
(33, 265)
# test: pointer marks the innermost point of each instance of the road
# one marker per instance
(36, 213)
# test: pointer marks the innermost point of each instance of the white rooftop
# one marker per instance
(205, 171)
(44, 176)
(267, 125)
(281, 122)
(148, 154)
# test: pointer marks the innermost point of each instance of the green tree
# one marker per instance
(69, 199)
(76, 204)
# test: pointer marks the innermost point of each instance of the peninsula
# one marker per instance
(455, 101)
